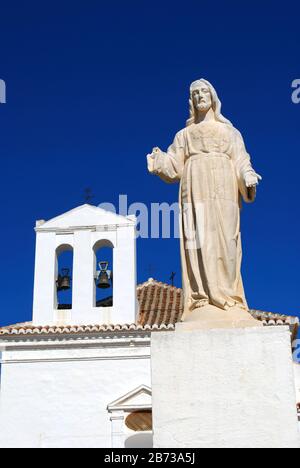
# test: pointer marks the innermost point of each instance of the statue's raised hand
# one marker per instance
(252, 179)
(151, 159)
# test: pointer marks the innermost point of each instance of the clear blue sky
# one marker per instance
(92, 86)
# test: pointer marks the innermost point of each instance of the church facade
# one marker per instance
(79, 374)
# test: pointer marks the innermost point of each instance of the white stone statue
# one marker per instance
(210, 160)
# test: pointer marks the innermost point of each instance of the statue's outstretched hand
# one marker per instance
(151, 160)
(252, 179)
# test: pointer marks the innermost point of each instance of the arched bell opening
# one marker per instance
(64, 277)
(103, 274)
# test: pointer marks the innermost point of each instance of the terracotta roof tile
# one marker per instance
(162, 303)
(30, 329)
(160, 308)
(159, 303)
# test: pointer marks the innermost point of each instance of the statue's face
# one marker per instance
(201, 97)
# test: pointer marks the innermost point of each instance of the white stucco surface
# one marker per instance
(82, 230)
(56, 393)
(224, 388)
(297, 380)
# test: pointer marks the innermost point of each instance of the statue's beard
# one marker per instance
(203, 107)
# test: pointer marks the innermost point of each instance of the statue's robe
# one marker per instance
(210, 161)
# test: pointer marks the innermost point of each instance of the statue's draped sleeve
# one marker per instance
(242, 163)
(169, 166)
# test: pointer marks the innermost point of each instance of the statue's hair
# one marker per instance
(216, 104)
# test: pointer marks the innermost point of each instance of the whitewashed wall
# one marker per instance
(297, 385)
(297, 380)
(55, 394)
(82, 229)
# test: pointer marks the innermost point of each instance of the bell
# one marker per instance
(103, 282)
(64, 280)
(104, 276)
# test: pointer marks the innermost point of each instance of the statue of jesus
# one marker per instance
(210, 161)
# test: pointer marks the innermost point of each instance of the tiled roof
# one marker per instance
(162, 303)
(159, 303)
(30, 329)
(160, 308)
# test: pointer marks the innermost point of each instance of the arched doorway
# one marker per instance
(139, 422)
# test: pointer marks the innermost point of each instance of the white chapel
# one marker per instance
(79, 374)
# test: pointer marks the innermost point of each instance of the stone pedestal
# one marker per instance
(224, 388)
(211, 317)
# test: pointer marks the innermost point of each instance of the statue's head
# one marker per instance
(203, 97)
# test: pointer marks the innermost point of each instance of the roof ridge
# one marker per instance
(152, 281)
(71, 329)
